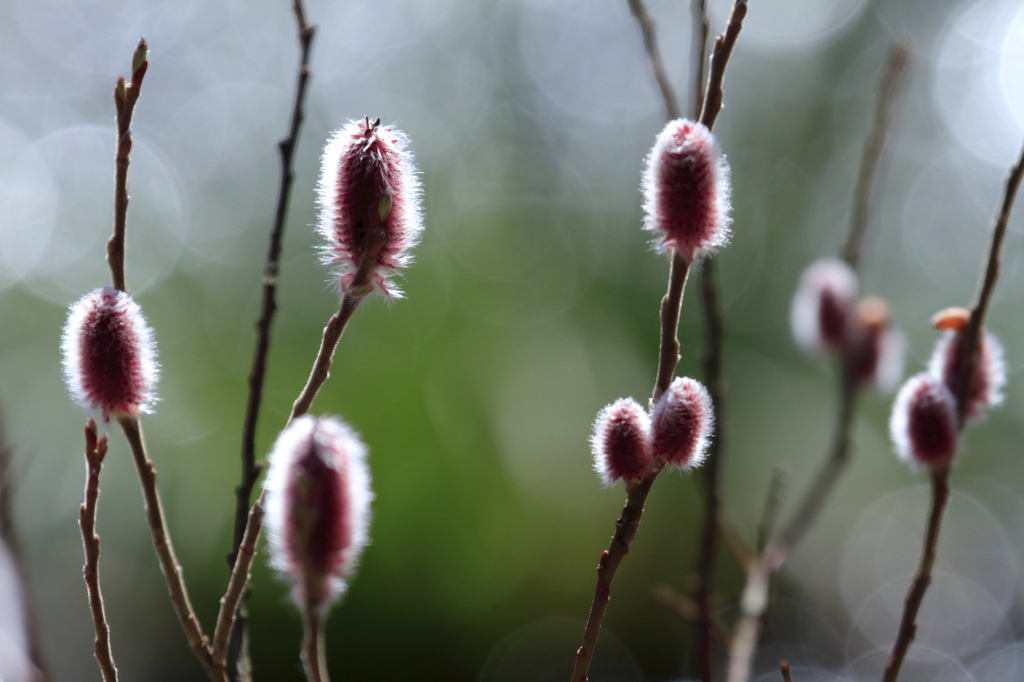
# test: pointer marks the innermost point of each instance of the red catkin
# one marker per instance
(109, 354)
(686, 190)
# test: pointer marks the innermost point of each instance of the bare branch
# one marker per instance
(95, 451)
(322, 366)
(198, 642)
(125, 97)
(668, 93)
(892, 82)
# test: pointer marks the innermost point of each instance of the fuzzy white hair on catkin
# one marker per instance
(721, 181)
(409, 196)
(332, 435)
(71, 345)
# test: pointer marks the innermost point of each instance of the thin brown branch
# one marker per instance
(236, 586)
(892, 82)
(698, 46)
(125, 97)
(668, 93)
(940, 477)
(784, 669)
(251, 469)
(165, 550)
(710, 103)
(625, 530)
(322, 366)
(671, 303)
(286, 147)
(973, 331)
(313, 648)
(908, 624)
(720, 54)
(95, 451)
(712, 368)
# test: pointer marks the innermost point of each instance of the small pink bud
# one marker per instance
(686, 190)
(621, 442)
(873, 352)
(318, 507)
(947, 361)
(681, 423)
(824, 306)
(109, 354)
(369, 197)
(923, 425)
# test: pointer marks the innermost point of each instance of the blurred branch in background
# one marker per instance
(9, 537)
(756, 592)
(239, 664)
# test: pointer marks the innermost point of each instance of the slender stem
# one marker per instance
(892, 82)
(625, 530)
(95, 451)
(125, 97)
(286, 147)
(671, 303)
(720, 54)
(698, 46)
(251, 469)
(313, 657)
(322, 367)
(712, 366)
(236, 586)
(973, 331)
(940, 477)
(908, 624)
(165, 550)
(668, 93)
(784, 669)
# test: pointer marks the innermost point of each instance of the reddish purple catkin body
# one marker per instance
(824, 307)
(369, 197)
(109, 354)
(923, 425)
(318, 497)
(686, 190)
(621, 443)
(946, 365)
(681, 423)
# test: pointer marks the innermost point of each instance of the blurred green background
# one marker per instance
(532, 303)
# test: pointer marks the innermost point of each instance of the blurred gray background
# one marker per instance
(532, 303)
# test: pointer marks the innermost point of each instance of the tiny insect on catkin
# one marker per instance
(109, 354)
(825, 305)
(685, 186)
(369, 196)
(923, 425)
(681, 423)
(318, 508)
(621, 442)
